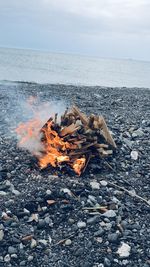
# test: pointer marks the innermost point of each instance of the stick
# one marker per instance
(126, 190)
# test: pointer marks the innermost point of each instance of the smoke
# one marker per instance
(28, 133)
(22, 107)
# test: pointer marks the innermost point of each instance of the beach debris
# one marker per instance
(73, 141)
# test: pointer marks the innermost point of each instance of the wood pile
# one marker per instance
(87, 137)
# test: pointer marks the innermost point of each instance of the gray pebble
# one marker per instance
(30, 258)
(107, 262)
(12, 250)
(99, 232)
(1, 235)
(113, 237)
(93, 219)
(22, 263)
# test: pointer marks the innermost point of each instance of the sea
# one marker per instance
(25, 65)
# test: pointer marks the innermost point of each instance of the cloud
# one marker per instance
(77, 25)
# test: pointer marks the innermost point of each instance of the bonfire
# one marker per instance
(73, 140)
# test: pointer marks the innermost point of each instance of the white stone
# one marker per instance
(134, 154)
(103, 183)
(68, 242)
(43, 241)
(33, 243)
(48, 192)
(124, 250)
(109, 214)
(66, 191)
(7, 258)
(81, 224)
(3, 193)
(95, 185)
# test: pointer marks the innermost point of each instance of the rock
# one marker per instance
(7, 258)
(95, 185)
(109, 214)
(12, 250)
(103, 183)
(79, 252)
(81, 224)
(30, 258)
(124, 250)
(66, 191)
(134, 154)
(16, 192)
(128, 142)
(33, 243)
(3, 193)
(113, 237)
(99, 232)
(48, 192)
(14, 256)
(22, 263)
(43, 242)
(138, 133)
(68, 242)
(93, 219)
(107, 262)
(1, 235)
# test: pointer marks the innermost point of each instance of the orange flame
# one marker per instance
(78, 165)
(51, 149)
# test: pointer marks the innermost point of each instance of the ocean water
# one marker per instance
(59, 68)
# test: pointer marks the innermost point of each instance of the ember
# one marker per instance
(74, 140)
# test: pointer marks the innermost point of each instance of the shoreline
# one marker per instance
(5, 82)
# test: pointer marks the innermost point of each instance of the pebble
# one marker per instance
(134, 154)
(12, 250)
(124, 250)
(3, 193)
(113, 237)
(93, 219)
(22, 263)
(138, 133)
(43, 241)
(7, 258)
(33, 243)
(109, 214)
(48, 192)
(81, 224)
(103, 183)
(1, 235)
(99, 232)
(95, 185)
(30, 258)
(107, 262)
(16, 192)
(68, 242)
(14, 256)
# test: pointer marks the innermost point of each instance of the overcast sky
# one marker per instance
(105, 28)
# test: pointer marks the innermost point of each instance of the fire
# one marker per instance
(51, 149)
(79, 165)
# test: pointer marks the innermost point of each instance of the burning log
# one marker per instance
(74, 140)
